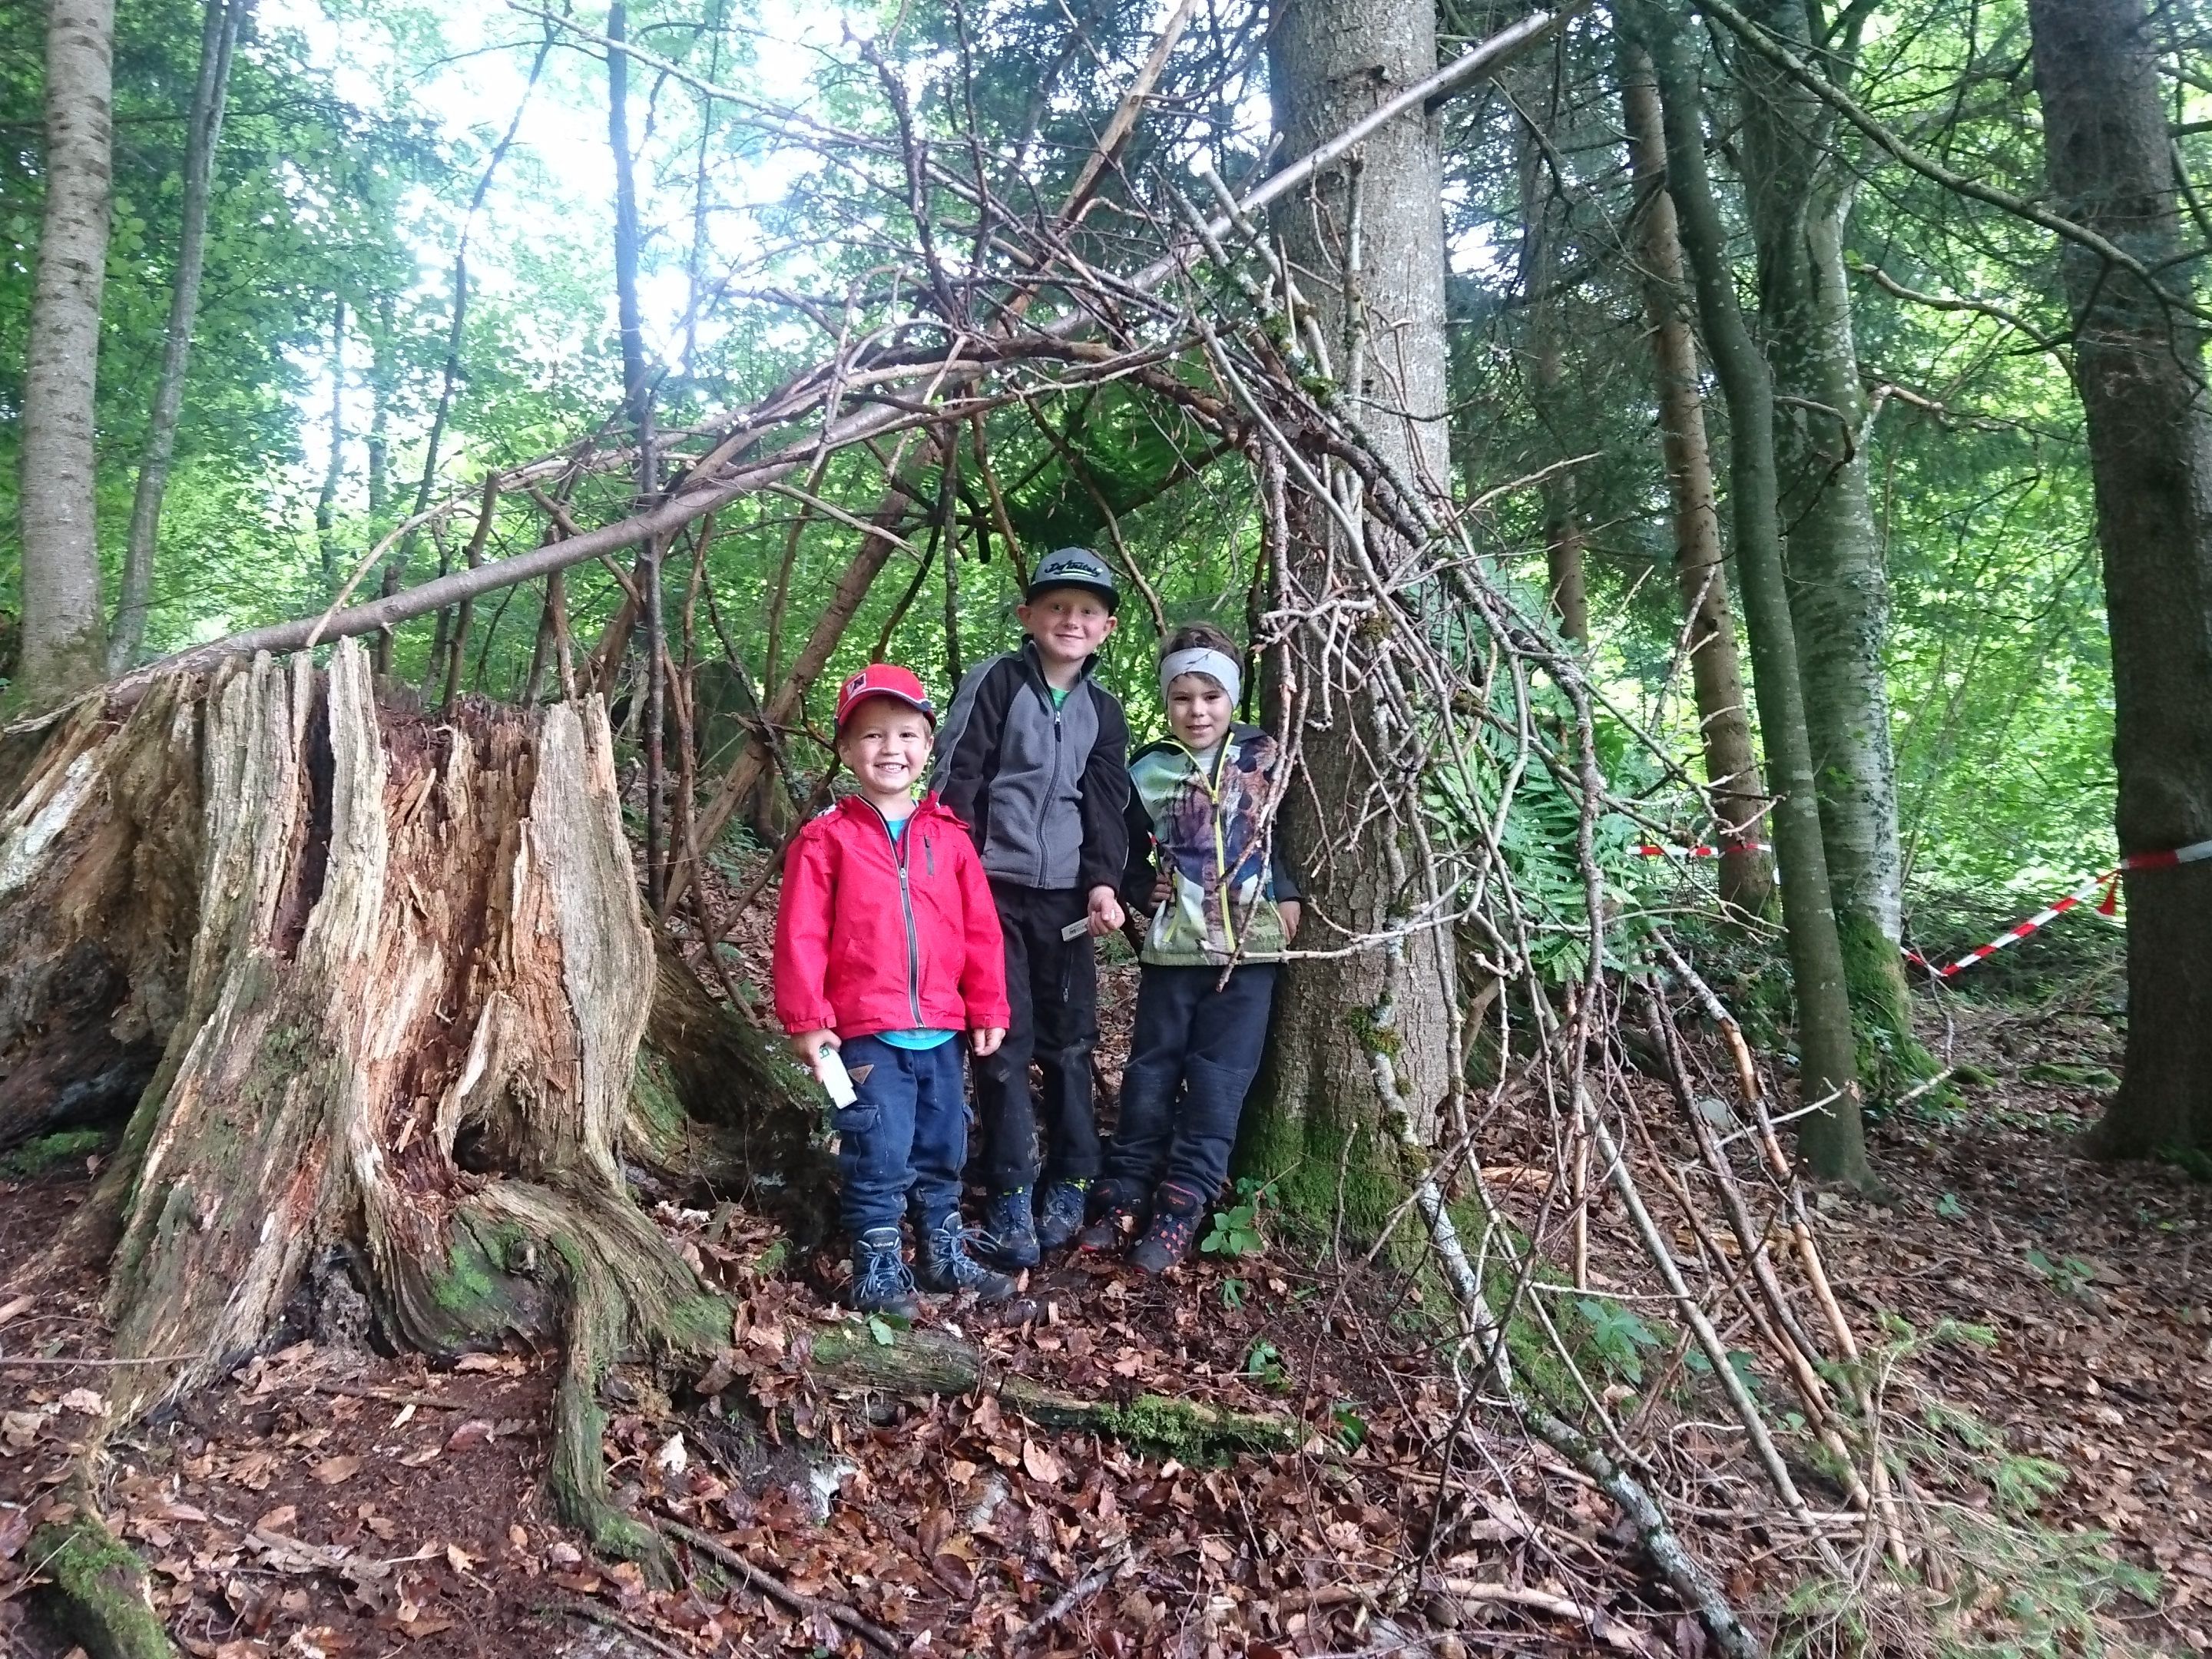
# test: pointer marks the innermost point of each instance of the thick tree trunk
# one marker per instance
(379, 985)
(204, 129)
(1798, 190)
(63, 644)
(1739, 796)
(1832, 1138)
(1355, 1030)
(2138, 361)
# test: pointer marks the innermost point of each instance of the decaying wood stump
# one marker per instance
(372, 982)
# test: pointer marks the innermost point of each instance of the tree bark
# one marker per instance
(2139, 364)
(1798, 191)
(1738, 793)
(384, 978)
(326, 500)
(1831, 1137)
(1354, 1031)
(204, 129)
(63, 643)
(1564, 585)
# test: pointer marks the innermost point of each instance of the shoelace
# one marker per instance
(885, 1273)
(965, 1268)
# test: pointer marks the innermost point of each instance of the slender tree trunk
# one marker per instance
(1354, 1031)
(1563, 532)
(326, 502)
(1799, 194)
(637, 402)
(383, 380)
(204, 129)
(64, 645)
(1832, 1138)
(1739, 796)
(2139, 362)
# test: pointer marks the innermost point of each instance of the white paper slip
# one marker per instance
(830, 1069)
(1077, 928)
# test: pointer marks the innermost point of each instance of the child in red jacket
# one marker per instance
(887, 948)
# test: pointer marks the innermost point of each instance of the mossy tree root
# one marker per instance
(882, 1358)
(97, 1588)
(1891, 1058)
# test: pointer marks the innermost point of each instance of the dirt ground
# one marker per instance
(324, 1497)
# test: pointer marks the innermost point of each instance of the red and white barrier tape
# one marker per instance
(1653, 850)
(2105, 889)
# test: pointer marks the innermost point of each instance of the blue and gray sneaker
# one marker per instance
(881, 1283)
(1059, 1213)
(1009, 1233)
(947, 1266)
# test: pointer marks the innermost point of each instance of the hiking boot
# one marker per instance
(1059, 1213)
(1118, 1214)
(947, 1266)
(1009, 1231)
(1177, 1211)
(881, 1283)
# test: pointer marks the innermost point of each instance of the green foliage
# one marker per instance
(1236, 1231)
(46, 1152)
(1263, 1362)
(1619, 1336)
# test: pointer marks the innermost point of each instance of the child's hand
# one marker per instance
(1290, 910)
(985, 1040)
(1105, 911)
(808, 1044)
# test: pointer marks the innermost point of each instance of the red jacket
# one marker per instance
(860, 951)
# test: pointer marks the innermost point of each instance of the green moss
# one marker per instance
(63, 1146)
(101, 1589)
(1309, 1163)
(1191, 1433)
(1891, 1059)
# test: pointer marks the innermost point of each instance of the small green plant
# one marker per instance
(1236, 1231)
(880, 1327)
(1232, 1292)
(1619, 1336)
(1351, 1427)
(1263, 1363)
(2068, 1274)
(1949, 1208)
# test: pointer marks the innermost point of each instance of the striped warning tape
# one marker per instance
(1653, 850)
(2105, 889)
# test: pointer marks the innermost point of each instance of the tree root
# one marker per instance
(98, 1594)
(776, 1590)
(930, 1362)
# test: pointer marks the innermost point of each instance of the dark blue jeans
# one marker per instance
(1194, 1054)
(904, 1140)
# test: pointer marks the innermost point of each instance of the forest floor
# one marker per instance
(323, 1499)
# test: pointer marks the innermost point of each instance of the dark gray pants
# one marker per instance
(1052, 986)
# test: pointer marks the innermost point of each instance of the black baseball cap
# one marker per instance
(1074, 567)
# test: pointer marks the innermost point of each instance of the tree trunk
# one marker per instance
(380, 982)
(63, 644)
(1564, 585)
(1359, 1033)
(203, 128)
(1739, 795)
(327, 502)
(383, 383)
(2139, 363)
(1832, 1138)
(1798, 191)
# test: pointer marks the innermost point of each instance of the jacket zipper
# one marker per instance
(906, 909)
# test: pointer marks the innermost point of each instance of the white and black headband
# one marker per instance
(1217, 665)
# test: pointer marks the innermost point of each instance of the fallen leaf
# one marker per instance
(472, 1433)
(16, 1308)
(1042, 1464)
(672, 1458)
(19, 1428)
(458, 1558)
(415, 1459)
(332, 1470)
(478, 1362)
(279, 1519)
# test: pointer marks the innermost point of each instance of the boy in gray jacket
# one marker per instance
(1033, 758)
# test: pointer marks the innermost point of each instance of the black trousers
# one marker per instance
(1192, 1059)
(1053, 985)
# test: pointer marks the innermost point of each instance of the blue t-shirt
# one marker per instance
(918, 1038)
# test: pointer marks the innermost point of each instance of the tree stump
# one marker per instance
(371, 981)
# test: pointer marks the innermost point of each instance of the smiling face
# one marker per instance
(1198, 710)
(1068, 624)
(885, 743)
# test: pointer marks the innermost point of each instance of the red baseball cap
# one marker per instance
(885, 679)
